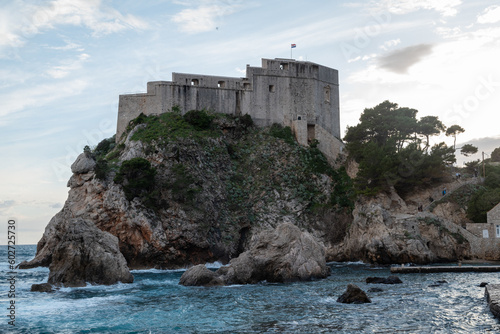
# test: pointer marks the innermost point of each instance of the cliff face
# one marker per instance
(200, 195)
(212, 191)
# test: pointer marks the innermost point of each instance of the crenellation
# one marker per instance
(280, 91)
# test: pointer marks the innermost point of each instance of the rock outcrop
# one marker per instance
(354, 295)
(87, 255)
(83, 254)
(283, 255)
(43, 287)
(200, 275)
(381, 233)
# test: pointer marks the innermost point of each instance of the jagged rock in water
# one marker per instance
(87, 255)
(353, 295)
(383, 280)
(285, 254)
(200, 276)
(43, 287)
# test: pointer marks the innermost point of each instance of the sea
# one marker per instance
(156, 303)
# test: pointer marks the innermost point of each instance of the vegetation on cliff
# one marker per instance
(389, 147)
(211, 180)
(486, 197)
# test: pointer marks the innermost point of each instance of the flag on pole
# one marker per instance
(294, 46)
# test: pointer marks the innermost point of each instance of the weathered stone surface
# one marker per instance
(87, 255)
(282, 255)
(200, 276)
(381, 233)
(492, 293)
(383, 280)
(353, 295)
(83, 164)
(44, 287)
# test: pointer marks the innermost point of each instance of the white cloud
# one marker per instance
(13, 101)
(205, 16)
(67, 66)
(444, 7)
(490, 15)
(389, 44)
(23, 19)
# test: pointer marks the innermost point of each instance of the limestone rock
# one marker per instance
(83, 164)
(383, 280)
(44, 287)
(200, 276)
(353, 295)
(87, 255)
(283, 255)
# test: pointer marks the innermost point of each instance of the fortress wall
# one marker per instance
(278, 92)
(330, 146)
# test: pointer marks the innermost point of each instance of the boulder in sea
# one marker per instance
(86, 254)
(383, 280)
(285, 254)
(200, 276)
(354, 295)
(43, 287)
(483, 284)
(375, 290)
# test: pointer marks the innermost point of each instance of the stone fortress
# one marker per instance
(299, 94)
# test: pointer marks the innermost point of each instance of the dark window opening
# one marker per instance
(221, 84)
(195, 82)
(284, 66)
(271, 88)
(246, 85)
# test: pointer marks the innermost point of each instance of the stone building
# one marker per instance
(488, 236)
(299, 94)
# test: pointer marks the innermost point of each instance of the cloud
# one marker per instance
(55, 206)
(7, 204)
(205, 17)
(13, 101)
(490, 15)
(67, 66)
(23, 19)
(389, 44)
(400, 60)
(444, 7)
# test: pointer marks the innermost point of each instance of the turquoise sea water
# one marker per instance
(155, 303)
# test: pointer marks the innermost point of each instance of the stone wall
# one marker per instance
(482, 247)
(302, 95)
(494, 215)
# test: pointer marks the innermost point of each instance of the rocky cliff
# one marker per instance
(180, 191)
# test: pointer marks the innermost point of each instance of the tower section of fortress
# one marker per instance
(302, 95)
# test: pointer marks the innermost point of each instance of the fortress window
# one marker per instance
(246, 85)
(195, 82)
(271, 88)
(327, 94)
(221, 84)
(284, 66)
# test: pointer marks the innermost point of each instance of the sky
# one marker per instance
(63, 64)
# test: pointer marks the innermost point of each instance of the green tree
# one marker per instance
(137, 177)
(430, 126)
(468, 150)
(387, 146)
(453, 131)
(495, 155)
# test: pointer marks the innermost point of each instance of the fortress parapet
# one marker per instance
(299, 94)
